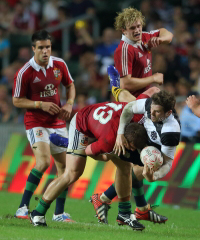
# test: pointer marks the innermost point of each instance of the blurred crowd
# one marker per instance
(88, 58)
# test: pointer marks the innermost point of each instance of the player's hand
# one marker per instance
(158, 78)
(120, 144)
(154, 42)
(50, 107)
(65, 112)
(148, 173)
(192, 102)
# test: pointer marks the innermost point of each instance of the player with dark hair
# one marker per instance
(163, 128)
(36, 90)
(92, 132)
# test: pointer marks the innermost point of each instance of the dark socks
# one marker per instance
(138, 191)
(31, 184)
(60, 202)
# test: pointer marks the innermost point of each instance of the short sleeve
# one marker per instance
(103, 145)
(168, 151)
(148, 35)
(67, 78)
(124, 59)
(139, 106)
(20, 87)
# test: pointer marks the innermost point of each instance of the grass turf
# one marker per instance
(183, 224)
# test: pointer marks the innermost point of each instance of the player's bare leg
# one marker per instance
(151, 91)
(123, 185)
(74, 168)
(59, 214)
(125, 96)
(122, 95)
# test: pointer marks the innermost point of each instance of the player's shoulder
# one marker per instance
(58, 61)
(171, 124)
(125, 47)
(25, 69)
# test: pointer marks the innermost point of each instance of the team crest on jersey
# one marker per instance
(57, 74)
(148, 68)
(39, 133)
(84, 141)
(153, 135)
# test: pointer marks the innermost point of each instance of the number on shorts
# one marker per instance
(100, 117)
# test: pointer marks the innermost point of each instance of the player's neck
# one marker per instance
(128, 40)
(41, 64)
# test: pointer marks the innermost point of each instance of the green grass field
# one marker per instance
(183, 224)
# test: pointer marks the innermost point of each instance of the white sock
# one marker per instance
(104, 198)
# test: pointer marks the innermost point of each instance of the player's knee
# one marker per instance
(72, 174)
(126, 169)
(42, 164)
(152, 90)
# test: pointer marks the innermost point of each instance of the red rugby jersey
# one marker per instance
(39, 84)
(134, 58)
(101, 121)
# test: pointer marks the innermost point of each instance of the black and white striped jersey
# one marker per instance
(164, 135)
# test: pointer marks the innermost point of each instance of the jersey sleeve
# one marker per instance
(20, 87)
(148, 35)
(67, 78)
(139, 106)
(123, 59)
(103, 145)
(168, 151)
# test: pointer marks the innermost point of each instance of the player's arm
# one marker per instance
(165, 36)
(89, 152)
(133, 84)
(194, 104)
(164, 169)
(135, 107)
(22, 102)
(70, 96)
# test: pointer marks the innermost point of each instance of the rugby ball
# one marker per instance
(152, 157)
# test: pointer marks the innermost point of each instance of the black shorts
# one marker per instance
(132, 156)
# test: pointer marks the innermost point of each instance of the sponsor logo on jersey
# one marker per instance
(154, 135)
(50, 91)
(148, 68)
(57, 74)
(84, 141)
(140, 55)
(36, 80)
(39, 133)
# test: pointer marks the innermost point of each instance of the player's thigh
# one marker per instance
(60, 162)
(124, 167)
(75, 166)
(39, 141)
(151, 91)
(126, 96)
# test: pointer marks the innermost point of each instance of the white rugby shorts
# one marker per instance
(77, 140)
(41, 134)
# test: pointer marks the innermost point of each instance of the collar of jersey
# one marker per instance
(134, 44)
(38, 67)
